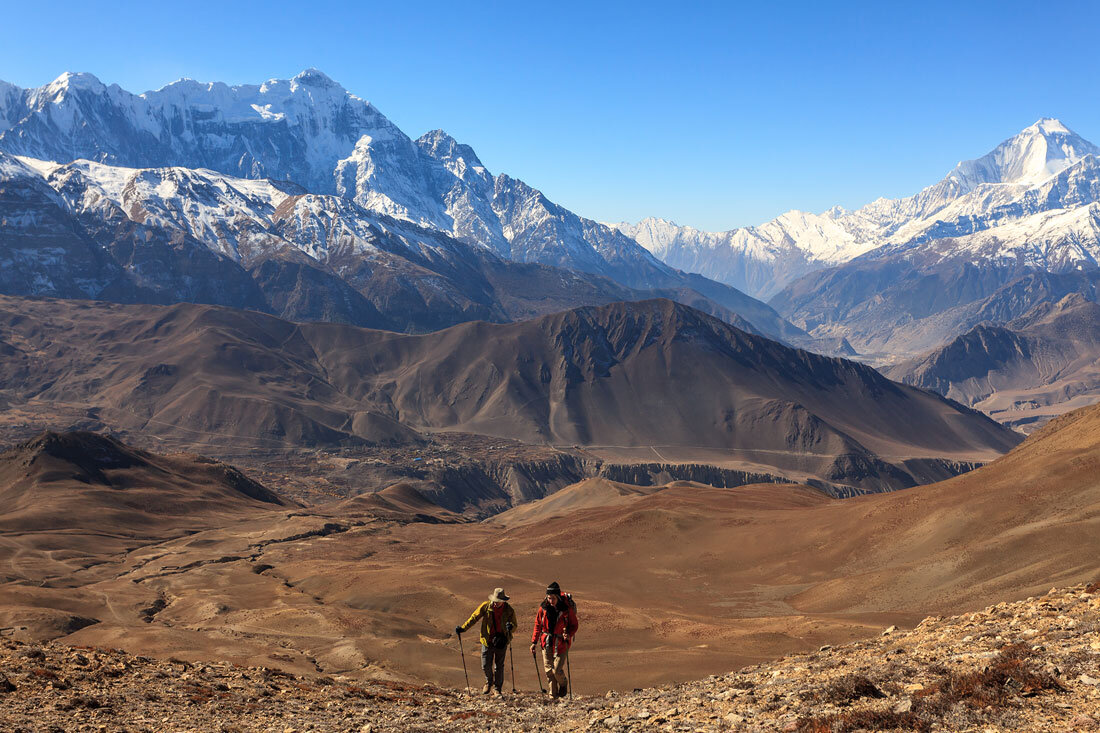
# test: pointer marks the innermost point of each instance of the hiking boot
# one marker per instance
(486, 688)
(500, 692)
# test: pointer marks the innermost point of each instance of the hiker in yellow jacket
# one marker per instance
(498, 621)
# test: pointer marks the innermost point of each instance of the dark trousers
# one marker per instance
(492, 664)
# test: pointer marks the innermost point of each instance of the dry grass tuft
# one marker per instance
(994, 689)
(1010, 675)
(849, 688)
(864, 720)
(467, 714)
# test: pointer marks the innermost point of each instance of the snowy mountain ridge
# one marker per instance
(311, 131)
(1044, 168)
(93, 230)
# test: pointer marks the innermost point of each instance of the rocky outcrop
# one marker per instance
(488, 487)
(656, 474)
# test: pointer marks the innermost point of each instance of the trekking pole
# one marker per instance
(464, 672)
(569, 676)
(538, 675)
(511, 657)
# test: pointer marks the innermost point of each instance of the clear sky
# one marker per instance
(710, 114)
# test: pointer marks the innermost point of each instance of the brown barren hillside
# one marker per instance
(71, 504)
(652, 376)
(1033, 665)
(1023, 373)
(712, 578)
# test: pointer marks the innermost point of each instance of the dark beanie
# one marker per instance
(553, 589)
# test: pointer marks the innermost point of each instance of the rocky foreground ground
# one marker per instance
(1032, 665)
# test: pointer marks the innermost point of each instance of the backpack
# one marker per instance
(569, 599)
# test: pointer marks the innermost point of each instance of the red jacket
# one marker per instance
(564, 628)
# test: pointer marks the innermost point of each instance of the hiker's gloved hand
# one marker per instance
(509, 626)
(458, 630)
(532, 648)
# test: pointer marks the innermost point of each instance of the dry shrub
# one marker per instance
(844, 690)
(467, 714)
(1093, 587)
(82, 701)
(1010, 674)
(863, 720)
(198, 693)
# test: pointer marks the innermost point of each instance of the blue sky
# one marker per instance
(714, 114)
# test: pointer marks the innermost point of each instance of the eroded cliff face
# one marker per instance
(482, 488)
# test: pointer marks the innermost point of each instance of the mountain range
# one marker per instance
(998, 235)
(1044, 170)
(653, 375)
(300, 199)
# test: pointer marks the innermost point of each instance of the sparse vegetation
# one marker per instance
(863, 720)
(1010, 676)
(948, 674)
(848, 689)
(954, 699)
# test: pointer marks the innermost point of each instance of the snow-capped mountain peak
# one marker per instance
(313, 77)
(72, 80)
(459, 159)
(1049, 126)
(1044, 167)
(1036, 153)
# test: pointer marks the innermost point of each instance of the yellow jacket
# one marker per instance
(486, 616)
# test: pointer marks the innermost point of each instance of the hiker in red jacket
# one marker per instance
(555, 626)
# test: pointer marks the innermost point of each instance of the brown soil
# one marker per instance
(1032, 665)
(703, 579)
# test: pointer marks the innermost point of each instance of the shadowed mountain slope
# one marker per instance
(1023, 373)
(83, 480)
(68, 500)
(649, 374)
